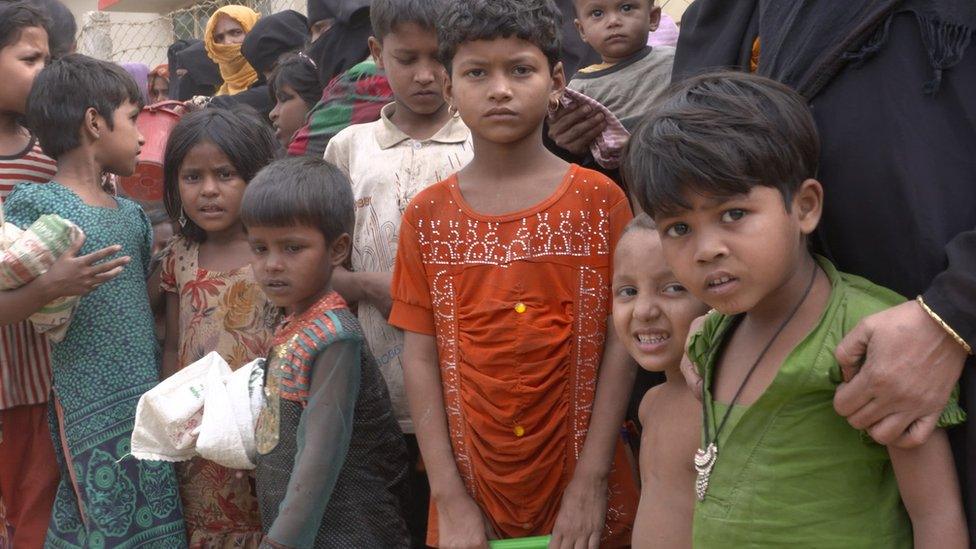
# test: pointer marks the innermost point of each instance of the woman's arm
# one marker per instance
(930, 490)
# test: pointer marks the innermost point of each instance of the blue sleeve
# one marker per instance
(22, 207)
(324, 434)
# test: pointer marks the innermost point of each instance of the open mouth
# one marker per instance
(651, 341)
(720, 283)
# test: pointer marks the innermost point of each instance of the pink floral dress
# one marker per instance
(225, 312)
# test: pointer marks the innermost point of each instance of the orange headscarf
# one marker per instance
(237, 73)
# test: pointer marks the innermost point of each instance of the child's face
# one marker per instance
(117, 149)
(502, 88)
(162, 234)
(20, 63)
(616, 29)
(288, 115)
(732, 253)
(211, 189)
(294, 264)
(408, 54)
(159, 90)
(652, 311)
(228, 31)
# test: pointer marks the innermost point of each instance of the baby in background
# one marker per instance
(652, 313)
(633, 74)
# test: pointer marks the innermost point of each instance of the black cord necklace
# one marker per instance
(706, 457)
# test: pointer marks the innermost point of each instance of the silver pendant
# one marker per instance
(704, 462)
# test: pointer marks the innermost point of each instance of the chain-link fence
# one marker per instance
(143, 38)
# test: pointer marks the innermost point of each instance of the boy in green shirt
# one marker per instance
(725, 165)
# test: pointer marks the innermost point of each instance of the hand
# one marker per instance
(72, 275)
(461, 524)
(575, 129)
(911, 366)
(582, 514)
(688, 369)
(377, 288)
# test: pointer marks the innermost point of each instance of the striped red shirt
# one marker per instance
(25, 357)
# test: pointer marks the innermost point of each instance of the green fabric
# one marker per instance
(791, 471)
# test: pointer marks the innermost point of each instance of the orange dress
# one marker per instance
(518, 304)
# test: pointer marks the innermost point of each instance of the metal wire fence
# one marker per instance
(143, 38)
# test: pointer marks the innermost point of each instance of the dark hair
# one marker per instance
(17, 15)
(301, 190)
(536, 21)
(68, 87)
(247, 142)
(385, 15)
(299, 73)
(63, 30)
(721, 134)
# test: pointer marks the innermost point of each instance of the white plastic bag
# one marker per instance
(168, 416)
(227, 431)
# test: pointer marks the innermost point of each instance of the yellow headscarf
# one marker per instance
(237, 73)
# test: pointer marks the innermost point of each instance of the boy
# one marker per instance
(418, 141)
(725, 165)
(331, 462)
(652, 313)
(83, 112)
(502, 286)
(28, 470)
(632, 74)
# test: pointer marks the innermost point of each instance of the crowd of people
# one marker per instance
(552, 271)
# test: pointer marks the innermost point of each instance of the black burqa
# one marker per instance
(346, 43)
(271, 37)
(202, 76)
(891, 87)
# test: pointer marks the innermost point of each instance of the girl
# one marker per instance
(225, 33)
(295, 88)
(332, 460)
(212, 301)
(652, 314)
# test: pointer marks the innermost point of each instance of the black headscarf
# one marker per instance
(273, 36)
(203, 75)
(347, 42)
(174, 79)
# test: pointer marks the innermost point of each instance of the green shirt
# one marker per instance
(790, 470)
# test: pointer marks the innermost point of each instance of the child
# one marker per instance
(212, 300)
(295, 88)
(418, 141)
(652, 312)
(28, 469)
(632, 74)
(726, 164)
(332, 460)
(84, 114)
(502, 285)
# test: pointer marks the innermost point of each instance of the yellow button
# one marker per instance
(520, 308)
(518, 430)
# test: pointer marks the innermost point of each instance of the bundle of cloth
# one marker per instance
(26, 255)
(206, 410)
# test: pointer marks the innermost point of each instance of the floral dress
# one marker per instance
(225, 312)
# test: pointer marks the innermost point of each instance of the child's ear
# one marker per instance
(448, 90)
(655, 17)
(808, 205)
(558, 79)
(93, 124)
(376, 50)
(579, 29)
(341, 247)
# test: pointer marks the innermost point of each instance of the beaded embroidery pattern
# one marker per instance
(464, 241)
